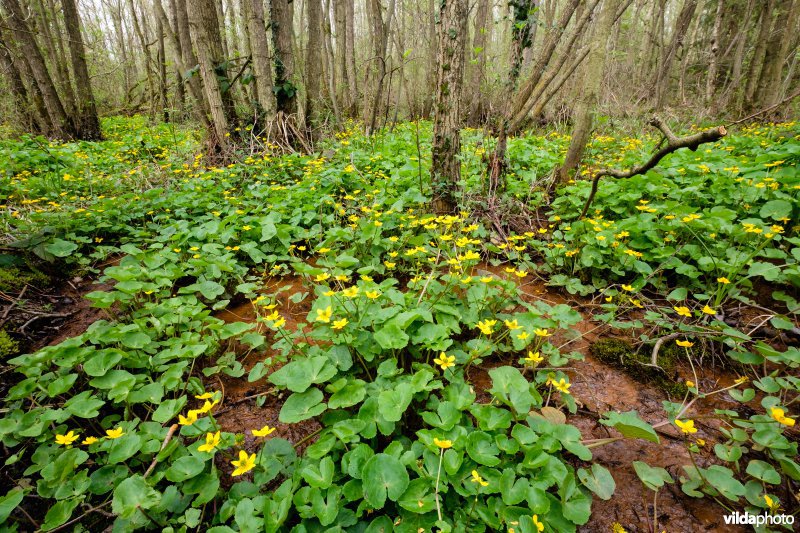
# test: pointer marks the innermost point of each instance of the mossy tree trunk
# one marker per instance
(446, 167)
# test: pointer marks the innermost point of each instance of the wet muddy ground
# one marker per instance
(597, 388)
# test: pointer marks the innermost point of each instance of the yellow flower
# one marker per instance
(522, 336)
(341, 277)
(486, 326)
(351, 292)
(445, 361)
(476, 478)
(486, 279)
(322, 277)
(339, 324)
(683, 311)
(212, 440)
(541, 332)
(684, 344)
(442, 443)
(686, 426)
(245, 463)
(204, 396)
(689, 383)
(372, 294)
(780, 416)
(207, 406)
(723, 280)
(628, 288)
(520, 273)
(539, 525)
(709, 311)
(114, 433)
(324, 315)
(741, 380)
(66, 440)
(512, 324)
(772, 504)
(188, 420)
(616, 527)
(389, 264)
(560, 385)
(263, 432)
(701, 442)
(89, 440)
(534, 358)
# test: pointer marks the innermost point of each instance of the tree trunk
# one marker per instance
(661, 86)
(340, 57)
(586, 104)
(379, 35)
(162, 71)
(281, 15)
(330, 60)
(483, 27)
(771, 79)
(427, 102)
(148, 60)
(313, 60)
(87, 123)
(445, 166)
(261, 62)
(711, 77)
(54, 45)
(350, 51)
(61, 125)
(765, 23)
(204, 30)
(25, 109)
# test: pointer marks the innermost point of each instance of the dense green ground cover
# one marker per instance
(402, 307)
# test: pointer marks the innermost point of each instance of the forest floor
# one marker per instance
(136, 235)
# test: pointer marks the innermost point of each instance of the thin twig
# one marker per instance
(172, 429)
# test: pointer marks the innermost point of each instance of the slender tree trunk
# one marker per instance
(350, 52)
(754, 69)
(19, 93)
(330, 60)
(379, 34)
(427, 102)
(446, 166)
(711, 78)
(53, 44)
(62, 126)
(204, 30)
(483, 28)
(661, 86)
(87, 123)
(261, 62)
(162, 71)
(281, 14)
(171, 27)
(340, 57)
(771, 79)
(148, 60)
(313, 60)
(586, 104)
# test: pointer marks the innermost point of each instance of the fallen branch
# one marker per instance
(172, 429)
(673, 143)
(45, 315)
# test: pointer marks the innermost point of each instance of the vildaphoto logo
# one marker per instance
(743, 519)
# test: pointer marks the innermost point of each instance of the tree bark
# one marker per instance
(340, 57)
(204, 30)
(483, 27)
(260, 52)
(445, 166)
(87, 123)
(61, 125)
(660, 89)
(771, 79)
(711, 77)
(19, 92)
(281, 15)
(586, 104)
(756, 62)
(313, 60)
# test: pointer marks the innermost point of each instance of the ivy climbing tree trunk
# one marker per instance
(281, 15)
(446, 167)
